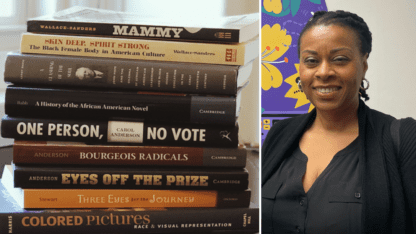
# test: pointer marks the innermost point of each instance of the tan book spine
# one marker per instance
(229, 54)
(104, 198)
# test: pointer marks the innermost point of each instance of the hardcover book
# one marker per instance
(121, 198)
(77, 153)
(112, 177)
(120, 132)
(98, 22)
(95, 104)
(132, 221)
(14, 219)
(105, 47)
(139, 75)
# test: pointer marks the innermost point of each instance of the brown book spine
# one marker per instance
(129, 221)
(136, 75)
(42, 152)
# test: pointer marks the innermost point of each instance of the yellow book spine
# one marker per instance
(107, 47)
(104, 198)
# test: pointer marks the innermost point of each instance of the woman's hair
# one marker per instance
(343, 18)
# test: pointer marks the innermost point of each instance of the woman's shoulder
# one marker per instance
(407, 125)
(408, 122)
(283, 130)
(285, 126)
(380, 116)
(408, 134)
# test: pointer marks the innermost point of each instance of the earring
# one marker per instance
(363, 86)
(300, 85)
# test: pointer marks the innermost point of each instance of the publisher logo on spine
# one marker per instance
(231, 55)
(223, 35)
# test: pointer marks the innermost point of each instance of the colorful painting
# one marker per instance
(281, 24)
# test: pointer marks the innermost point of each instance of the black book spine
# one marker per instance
(123, 30)
(128, 178)
(120, 132)
(112, 222)
(139, 75)
(81, 104)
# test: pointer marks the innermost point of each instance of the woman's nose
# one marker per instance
(324, 70)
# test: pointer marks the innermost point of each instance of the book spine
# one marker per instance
(109, 198)
(85, 178)
(66, 71)
(228, 54)
(50, 153)
(122, 30)
(131, 222)
(73, 103)
(120, 132)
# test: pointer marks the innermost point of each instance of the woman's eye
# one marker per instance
(341, 59)
(310, 61)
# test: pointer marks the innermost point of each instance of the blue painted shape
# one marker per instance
(294, 6)
(315, 1)
(285, 4)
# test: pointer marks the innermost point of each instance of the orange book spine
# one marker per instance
(103, 198)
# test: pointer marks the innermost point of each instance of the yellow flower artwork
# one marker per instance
(295, 92)
(274, 44)
(274, 6)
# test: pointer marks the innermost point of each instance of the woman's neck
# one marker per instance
(337, 121)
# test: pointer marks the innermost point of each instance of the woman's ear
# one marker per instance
(365, 64)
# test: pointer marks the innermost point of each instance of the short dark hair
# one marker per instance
(343, 18)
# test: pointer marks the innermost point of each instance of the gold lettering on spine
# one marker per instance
(90, 219)
(138, 178)
(107, 179)
(180, 180)
(115, 179)
(48, 221)
(102, 220)
(84, 178)
(24, 221)
(123, 179)
(94, 179)
(112, 219)
(74, 178)
(52, 221)
(32, 223)
(170, 179)
(204, 181)
(65, 179)
(61, 220)
(156, 180)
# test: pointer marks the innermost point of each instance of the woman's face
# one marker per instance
(331, 67)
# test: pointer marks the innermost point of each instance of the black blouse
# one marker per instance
(332, 204)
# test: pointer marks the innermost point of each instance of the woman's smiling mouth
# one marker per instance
(327, 90)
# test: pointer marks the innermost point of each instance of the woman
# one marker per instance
(336, 169)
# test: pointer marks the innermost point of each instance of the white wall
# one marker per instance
(392, 62)
(249, 119)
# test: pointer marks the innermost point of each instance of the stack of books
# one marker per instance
(109, 114)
